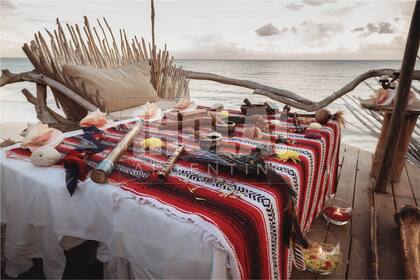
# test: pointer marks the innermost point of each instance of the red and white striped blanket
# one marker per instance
(251, 220)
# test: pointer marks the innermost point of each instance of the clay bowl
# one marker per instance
(226, 128)
(211, 142)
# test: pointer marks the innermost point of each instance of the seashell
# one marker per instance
(45, 156)
(252, 132)
(185, 105)
(41, 135)
(25, 132)
(96, 118)
(322, 116)
(149, 112)
(384, 97)
(315, 125)
(38, 135)
(256, 120)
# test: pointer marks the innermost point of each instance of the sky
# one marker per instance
(235, 29)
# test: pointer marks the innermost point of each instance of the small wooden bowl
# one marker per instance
(211, 142)
(224, 128)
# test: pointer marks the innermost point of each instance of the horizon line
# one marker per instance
(253, 59)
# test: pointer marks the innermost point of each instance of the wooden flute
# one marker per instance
(170, 164)
(104, 168)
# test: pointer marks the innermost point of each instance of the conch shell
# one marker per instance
(45, 156)
(149, 112)
(38, 135)
(185, 105)
(41, 135)
(384, 97)
(96, 118)
(252, 132)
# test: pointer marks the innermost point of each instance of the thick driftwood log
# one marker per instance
(7, 78)
(290, 98)
(45, 114)
(408, 218)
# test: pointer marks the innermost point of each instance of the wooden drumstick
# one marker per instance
(104, 168)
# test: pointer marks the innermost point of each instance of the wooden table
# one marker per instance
(413, 111)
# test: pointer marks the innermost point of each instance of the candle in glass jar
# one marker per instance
(321, 258)
(337, 214)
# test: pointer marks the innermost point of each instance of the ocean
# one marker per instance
(311, 79)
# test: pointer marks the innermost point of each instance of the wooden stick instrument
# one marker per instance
(104, 168)
(163, 174)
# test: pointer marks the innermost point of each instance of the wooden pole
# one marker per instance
(400, 107)
(152, 17)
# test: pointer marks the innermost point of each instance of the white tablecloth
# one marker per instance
(138, 238)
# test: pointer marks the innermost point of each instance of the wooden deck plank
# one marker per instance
(342, 152)
(356, 185)
(345, 190)
(413, 173)
(359, 266)
(389, 247)
(402, 192)
(320, 222)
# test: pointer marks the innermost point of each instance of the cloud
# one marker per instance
(318, 34)
(294, 6)
(267, 30)
(7, 5)
(385, 28)
(358, 29)
(317, 2)
(372, 28)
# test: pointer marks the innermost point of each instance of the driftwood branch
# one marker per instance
(7, 78)
(246, 84)
(44, 114)
(290, 98)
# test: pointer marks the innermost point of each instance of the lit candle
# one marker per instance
(337, 214)
(320, 259)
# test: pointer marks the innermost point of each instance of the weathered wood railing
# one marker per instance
(280, 95)
(291, 98)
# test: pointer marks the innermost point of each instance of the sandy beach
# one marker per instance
(11, 130)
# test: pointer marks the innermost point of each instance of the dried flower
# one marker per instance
(286, 155)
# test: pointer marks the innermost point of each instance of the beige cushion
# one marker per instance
(163, 104)
(118, 88)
